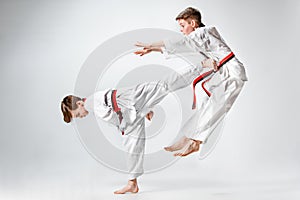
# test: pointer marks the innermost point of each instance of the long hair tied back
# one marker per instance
(68, 104)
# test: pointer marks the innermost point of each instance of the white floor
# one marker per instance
(187, 179)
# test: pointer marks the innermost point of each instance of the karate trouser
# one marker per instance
(144, 97)
(224, 89)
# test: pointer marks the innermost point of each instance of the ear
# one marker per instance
(193, 23)
(79, 103)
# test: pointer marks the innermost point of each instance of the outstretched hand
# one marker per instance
(146, 49)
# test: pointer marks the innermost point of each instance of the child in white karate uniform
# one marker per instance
(126, 108)
(222, 83)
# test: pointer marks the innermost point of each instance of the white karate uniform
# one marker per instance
(135, 102)
(224, 85)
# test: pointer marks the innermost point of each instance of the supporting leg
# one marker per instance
(131, 187)
(134, 143)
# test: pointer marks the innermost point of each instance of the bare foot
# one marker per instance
(131, 187)
(191, 147)
(177, 145)
(150, 115)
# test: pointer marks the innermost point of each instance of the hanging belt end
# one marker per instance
(194, 106)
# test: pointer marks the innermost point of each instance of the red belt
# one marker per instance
(206, 74)
(116, 107)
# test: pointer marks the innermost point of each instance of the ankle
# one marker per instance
(197, 141)
(132, 182)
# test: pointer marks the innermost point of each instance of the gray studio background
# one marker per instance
(43, 45)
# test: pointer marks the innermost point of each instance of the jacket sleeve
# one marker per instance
(177, 46)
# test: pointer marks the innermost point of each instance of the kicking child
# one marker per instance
(126, 109)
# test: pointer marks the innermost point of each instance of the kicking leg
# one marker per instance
(146, 95)
(177, 145)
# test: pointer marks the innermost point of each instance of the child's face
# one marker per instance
(80, 112)
(186, 26)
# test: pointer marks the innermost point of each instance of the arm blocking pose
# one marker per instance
(222, 83)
